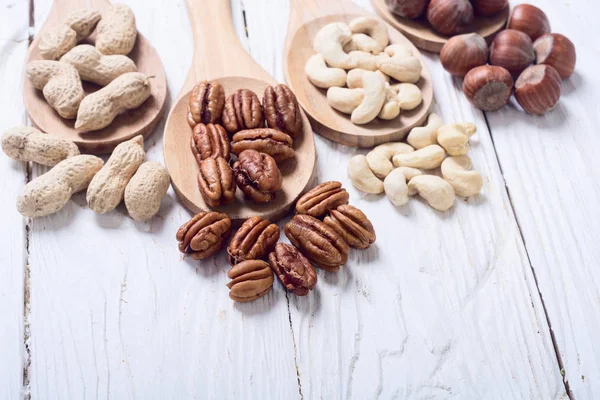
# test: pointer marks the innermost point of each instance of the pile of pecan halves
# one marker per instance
(322, 231)
(236, 124)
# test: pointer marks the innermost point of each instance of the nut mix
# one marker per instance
(265, 140)
(257, 175)
(322, 198)
(204, 234)
(215, 180)
(255, 238)
(281, 110)
(206, 103)
(242, 110)
(294, 270)
(352, 225)
(249, 280)
(317, 241)
(210, 141)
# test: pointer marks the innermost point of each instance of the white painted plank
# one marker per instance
(444, 305)
(551, 168)
(117, 313)
(14, 34)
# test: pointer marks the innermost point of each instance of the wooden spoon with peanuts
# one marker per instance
(140, 121)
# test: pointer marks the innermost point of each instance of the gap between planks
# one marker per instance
(559, 359)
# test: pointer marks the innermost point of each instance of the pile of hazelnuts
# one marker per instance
(491, 75)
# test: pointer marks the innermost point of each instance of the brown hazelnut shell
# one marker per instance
(449, 17)
(488, 8)
(538, 89)
(530, 20)
(488, 87)
(557, 51)
(462, 53)
(512, 50)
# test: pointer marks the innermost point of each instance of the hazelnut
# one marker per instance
(462, 53)
(558, 51)
(512, 50)
(488, 8)
(407, 8)
(449, 17)
(488, 87)
(538, 89)
(529, 19)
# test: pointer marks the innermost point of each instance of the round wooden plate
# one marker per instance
(131, 123)
(326, 121)
(420, 32)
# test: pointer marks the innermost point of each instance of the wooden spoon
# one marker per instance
(219, 56)
(420, 32)
(142, 120)
(307, 17)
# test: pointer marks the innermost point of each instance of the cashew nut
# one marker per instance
(425, 135)
(409, 95)
(391, 106)
(400, 50)
(362, 177)
(457, 171)
(402, 68)
(379, 159)
(438, 193)
(375, 93)
(329, 42)
(362, 42)
(455, 138)
(321, 75)
(366, 60)
(429, 157)
(373, 27)
(345, 100)
(395, 185)
(354, 77)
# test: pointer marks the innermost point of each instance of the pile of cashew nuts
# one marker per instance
(405, 169)
(355, 63)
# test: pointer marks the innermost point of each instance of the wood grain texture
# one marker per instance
(444, 305)
(420, 32)
(140, 121)
(305, 20)
(13, 252)
(116, 312)
(551, 171)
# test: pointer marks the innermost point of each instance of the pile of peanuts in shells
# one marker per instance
(126, 176)
(365, 76)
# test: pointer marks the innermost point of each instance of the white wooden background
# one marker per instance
(497, 298)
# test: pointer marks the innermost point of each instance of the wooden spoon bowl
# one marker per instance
(140, 121)
(221, 58)
(307, 17)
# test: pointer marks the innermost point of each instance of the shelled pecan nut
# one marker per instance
(352, 225)
(322, 198)
(255, 238)
(215, 181)
(293, 269)
(317, 241)
(265, 140)
(249, 280)
(206, 103)
(204, 234)
(257, 175)
(282, 110)
(242, 110)
(210, 141)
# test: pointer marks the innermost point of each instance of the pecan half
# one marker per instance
(255, 238)
(249, 280)
(210, 141)
(282, 110)
(206, 103)
(293, 269)
(257, 175)
(352, 225)
(215, 180)
(269, 141)
(322, 198)
(242, 111)
(317, 241)
(204, 234)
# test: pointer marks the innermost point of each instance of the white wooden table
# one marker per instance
(496, 299)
